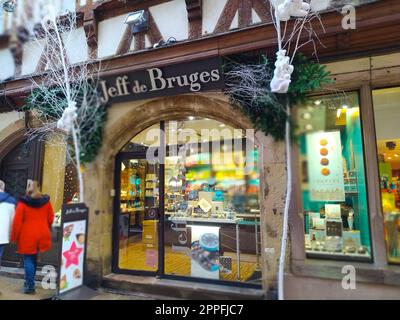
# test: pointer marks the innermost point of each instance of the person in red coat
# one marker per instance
(31, 230)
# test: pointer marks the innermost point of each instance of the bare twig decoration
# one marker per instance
(65, 99)
(304, 12)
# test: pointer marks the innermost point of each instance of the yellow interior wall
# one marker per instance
(54, 171)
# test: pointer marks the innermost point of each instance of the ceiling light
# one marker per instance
(391, 145)
(191, 118)
(345, 106)
(222, 125)
(308, 127)
(307, 116)
(396, 155)
(317, 102)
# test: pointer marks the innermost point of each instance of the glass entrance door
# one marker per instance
(195, 213)
(138, 205)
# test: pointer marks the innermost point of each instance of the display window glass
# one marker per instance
(195, 213)
(212, 210)
(333, 184)
(387, 114)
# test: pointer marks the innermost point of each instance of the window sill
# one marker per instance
(338, 256)
(328, 269)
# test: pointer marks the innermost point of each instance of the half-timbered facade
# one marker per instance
(364, 60)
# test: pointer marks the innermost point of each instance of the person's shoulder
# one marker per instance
(13, 201)
(20, 203)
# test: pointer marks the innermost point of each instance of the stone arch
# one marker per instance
(125, 121)
(142, 116)
(11, 136)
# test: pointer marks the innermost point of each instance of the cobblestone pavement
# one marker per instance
(11, 289)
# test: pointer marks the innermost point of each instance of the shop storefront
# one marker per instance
(184, 191)
(346, 164)
(194, 213)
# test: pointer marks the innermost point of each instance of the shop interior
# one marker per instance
(387, 112)
(334, 193)
(197, 214)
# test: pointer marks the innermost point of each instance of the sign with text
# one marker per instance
(74, 226)
(325, 166)
(205, 252)
(170, 80)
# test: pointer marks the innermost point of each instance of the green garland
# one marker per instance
(267, 110)
(49, 103)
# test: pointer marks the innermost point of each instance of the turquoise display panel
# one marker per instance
(333, 184)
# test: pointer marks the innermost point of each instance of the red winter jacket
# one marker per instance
(31, 229)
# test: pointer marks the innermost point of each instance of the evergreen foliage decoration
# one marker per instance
(49, 104)
(248, 77)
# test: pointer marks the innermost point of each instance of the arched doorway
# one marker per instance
(23, 162)
(187, 203)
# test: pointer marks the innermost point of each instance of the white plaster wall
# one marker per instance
(147, 42)
(31, 56)
(132, 46)
(235, 21)
(68, 5)
(212, 10)
(171, 19)
(7, 66)
(255, 17)
(8, 118)
(76, 45)
(2, 23)
(110, 33)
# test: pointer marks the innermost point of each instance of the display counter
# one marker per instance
(208, 227)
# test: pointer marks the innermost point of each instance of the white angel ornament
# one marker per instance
(68, 117)
(319, 5)
(292, 8)
(282, 73)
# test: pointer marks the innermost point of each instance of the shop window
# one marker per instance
(196, 214)
(333, 184)
(387, 114)
(211, 204)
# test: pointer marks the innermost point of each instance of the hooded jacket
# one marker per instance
(7, 210)
(31, 229)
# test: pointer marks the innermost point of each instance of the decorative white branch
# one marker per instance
(304, 12)
(78, 92)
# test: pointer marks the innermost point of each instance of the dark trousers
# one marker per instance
(2, 247)
(30, 265)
